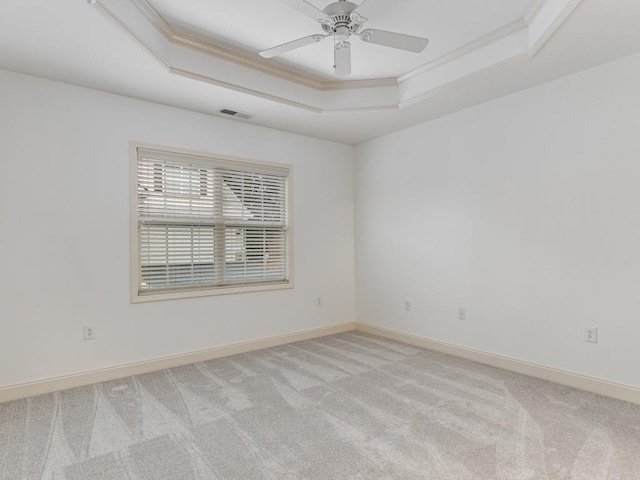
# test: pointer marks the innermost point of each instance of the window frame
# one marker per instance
(135, 266)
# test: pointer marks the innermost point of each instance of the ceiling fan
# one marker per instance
(341, 20)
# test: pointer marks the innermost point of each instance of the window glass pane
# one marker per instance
(211, 226)
(251, 197)
(174, 191)
(255, 254)
(176, 256)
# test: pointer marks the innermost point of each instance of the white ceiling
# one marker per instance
(256, 25)
(73, 42)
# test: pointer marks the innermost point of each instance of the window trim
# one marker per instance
(136, 297)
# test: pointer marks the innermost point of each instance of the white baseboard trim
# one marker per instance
(563, 377)
(582, 382)
(15, 392)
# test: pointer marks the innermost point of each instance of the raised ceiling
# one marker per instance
(254, 25)
(202, 55)
(475, 40)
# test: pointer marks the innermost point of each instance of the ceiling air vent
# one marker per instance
(236, 114)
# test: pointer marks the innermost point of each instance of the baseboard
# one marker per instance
(563, 377)
(15, 392)
(582, 382)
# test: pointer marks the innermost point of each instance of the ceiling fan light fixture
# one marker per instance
(342, 33)
(342, 59)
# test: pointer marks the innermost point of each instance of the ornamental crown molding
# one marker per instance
(188, 54)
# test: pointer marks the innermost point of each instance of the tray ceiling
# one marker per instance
(254, 25)
(475, 42)
(128, 47)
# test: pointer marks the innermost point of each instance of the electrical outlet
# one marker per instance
(462, 314)
(318, 301)
(407, 305)
(89, 332)
(591, 335)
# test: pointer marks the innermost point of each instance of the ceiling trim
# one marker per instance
(374, 108)
(248, 59)
(546, 20)
(282, 100)
(242, 58)
(509, 46)
(535, 10)
(237, 88)
(190, 55)
(446, 87)
(495, 36)
(349, 84)
(155, 18)
(109, 13)
(181, 36)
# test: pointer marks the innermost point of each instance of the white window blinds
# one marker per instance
(206, 223)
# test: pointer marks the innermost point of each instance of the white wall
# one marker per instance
(64, 233)
(524, 210)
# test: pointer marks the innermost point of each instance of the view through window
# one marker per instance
(207, 223)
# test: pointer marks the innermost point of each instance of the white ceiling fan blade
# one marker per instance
(305, 8)
(394, 40)
(287, 47)
(342, 59)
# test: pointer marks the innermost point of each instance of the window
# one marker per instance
(204, 225)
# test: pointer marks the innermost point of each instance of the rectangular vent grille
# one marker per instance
(234, 113)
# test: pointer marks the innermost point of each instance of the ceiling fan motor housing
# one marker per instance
(340, 22)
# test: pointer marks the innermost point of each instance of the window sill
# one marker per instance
(137, 297)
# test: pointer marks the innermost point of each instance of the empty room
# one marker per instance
(289, 239)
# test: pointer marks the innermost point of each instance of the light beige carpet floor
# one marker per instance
(349, 406)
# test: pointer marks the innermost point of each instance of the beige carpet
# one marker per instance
(349, 406)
